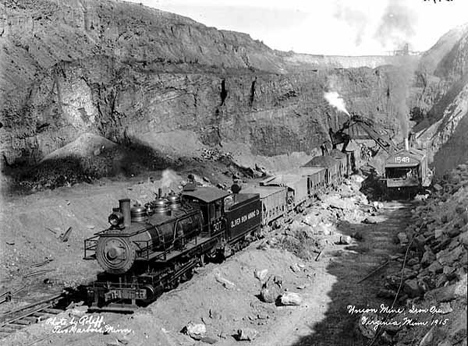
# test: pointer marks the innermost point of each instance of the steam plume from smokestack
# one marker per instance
(395, 30)
(399, 82)
(335, 100)
(169, 177)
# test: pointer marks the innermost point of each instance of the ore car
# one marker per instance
(273, 199)
(332, 166)
(296, 184)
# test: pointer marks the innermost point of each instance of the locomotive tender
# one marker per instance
(149, 249)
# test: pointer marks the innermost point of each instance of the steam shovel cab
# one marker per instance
(407, 170)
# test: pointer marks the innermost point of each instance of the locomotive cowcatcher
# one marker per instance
(149, 249)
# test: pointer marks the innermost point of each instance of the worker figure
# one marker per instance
(191, 183)
(236, 179)
(324, 150)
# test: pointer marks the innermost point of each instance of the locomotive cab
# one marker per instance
(211, 202)
(402, 176)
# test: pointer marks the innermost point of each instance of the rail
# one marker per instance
(14, 320)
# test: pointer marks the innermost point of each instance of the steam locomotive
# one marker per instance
(407, 170)
(149, 249)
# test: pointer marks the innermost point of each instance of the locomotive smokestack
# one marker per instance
(406, 144)
(124, 205)
(160, 193)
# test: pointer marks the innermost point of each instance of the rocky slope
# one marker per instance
(441, 94)
(434, 277)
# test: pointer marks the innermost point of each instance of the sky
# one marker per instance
(331, 27)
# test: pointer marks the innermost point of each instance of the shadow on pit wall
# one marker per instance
(120, 162)
(338, 327)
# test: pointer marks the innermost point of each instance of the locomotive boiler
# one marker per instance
(144, 232)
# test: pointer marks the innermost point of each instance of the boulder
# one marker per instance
(412, 288)
(292, 299)
(449, 257)
(449, 271)
(195, 330)
(455, 231)
(463, 238)
(271, 289)
(261, 274)
(225, 282)
(246, 334)
(270, 295)
(435, 267)
(420, 241)
(370, 220)
(449, 293)
(444, 308)
(427, 258)
(345, 239)
(441, 280)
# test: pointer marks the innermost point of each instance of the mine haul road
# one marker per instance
(325, 318)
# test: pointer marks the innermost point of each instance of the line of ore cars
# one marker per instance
(149, 249)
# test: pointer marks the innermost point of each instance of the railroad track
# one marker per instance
(17, 319)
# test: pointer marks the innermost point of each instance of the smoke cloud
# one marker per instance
(335, 100)
(396, 25)
(354, 18)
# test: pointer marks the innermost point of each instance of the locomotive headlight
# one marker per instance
(116, 219)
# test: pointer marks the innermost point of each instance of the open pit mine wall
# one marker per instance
(441, 92)
(129, 73)
(273, 113)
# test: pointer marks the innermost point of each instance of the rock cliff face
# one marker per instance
(133, 74)
(442, 94)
